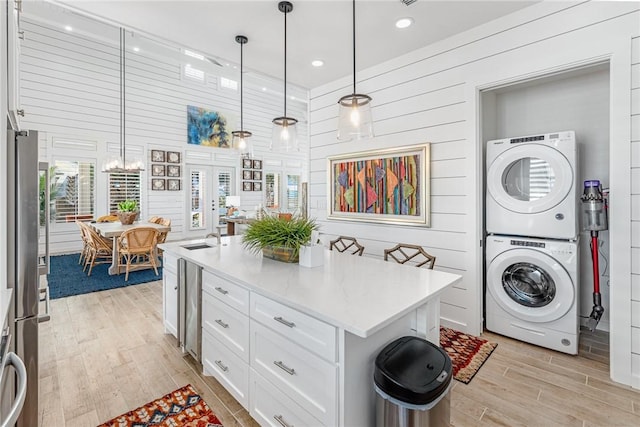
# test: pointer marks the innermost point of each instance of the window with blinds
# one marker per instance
(123, 186)
(197, 190)
(224, 190)
(73, 191)
(293, 192)
(272, 190)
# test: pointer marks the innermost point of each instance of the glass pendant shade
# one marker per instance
(240, 138)
(354, 117)
(284, 136)
(122, 164)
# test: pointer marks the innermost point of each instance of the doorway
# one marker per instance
(207, 190)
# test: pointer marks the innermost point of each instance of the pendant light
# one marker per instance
(240, 137)
(354, 119)
(284, 136)
(120, 164)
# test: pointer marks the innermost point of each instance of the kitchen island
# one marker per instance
(296, 345)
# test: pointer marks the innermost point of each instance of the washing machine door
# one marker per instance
(529, 178)
(530, 285)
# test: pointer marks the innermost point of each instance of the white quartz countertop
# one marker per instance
(360, 294)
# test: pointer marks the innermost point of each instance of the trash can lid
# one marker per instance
(413, 370)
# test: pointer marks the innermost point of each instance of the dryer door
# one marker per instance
(530, 178)
(530, 285)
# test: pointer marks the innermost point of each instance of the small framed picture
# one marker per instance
(257, 186)
(247, 174)
(157, 170)
(257, 175)
(173, 170)
(157, 184)
(157, 156)
(246, 186)
(173, 157)
(257, 164)
(246, 163)
(173, 184)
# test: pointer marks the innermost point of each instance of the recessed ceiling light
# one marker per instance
(68, 27)
(317, 63)
(136, 49)
(404, 22)
(293, 97)
(264, 89)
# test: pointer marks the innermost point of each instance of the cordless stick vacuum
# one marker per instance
(595, 220)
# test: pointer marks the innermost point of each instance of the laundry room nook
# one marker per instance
(544, 138)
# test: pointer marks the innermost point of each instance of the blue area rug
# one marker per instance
(67, 278)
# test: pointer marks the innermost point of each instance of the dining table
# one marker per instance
(113, 230)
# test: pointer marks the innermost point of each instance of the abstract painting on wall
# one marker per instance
(381, 186)
(208, 128)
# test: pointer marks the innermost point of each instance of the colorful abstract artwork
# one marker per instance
(381, 186)
(208, 128)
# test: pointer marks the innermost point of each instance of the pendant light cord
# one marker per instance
(241, 88)
(122, 97)
(354, 45)
(285, 63)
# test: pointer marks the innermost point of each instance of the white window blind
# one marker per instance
(293, 193)
(197, 189)
(73, 186)
(224, 189)
(272, 190)
(123, 186)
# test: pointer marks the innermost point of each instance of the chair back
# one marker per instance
(404, 252)
(154, 219)
(139, 239)
(96, 241)
(165, 221)
(343, 243)
(107, 218)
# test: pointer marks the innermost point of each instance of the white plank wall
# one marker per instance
(635, 205)
(431, 95)
(70, 91)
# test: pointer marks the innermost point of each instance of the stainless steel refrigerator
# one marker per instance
(25, 265)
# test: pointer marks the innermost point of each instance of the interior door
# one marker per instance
(207, 189)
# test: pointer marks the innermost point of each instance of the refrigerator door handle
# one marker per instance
(182, 307)
(47, 314)
(45, 268)
(15, 361)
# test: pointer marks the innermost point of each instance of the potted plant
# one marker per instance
(127, 211)
(279, 238)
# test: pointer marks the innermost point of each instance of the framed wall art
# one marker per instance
(257, 186)
(173, 184)
(207, 128)
(157, 156)
(257, 175)
(173, 157)
(247, 186)
(157, 184)
(388, 186)
(257, 164)
(173, 170)
(157, 170)
(247, 174)
(247, 163)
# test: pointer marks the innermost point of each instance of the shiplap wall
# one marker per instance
(432, 95)
(70, 93)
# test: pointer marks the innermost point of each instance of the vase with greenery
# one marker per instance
(127, 211)
(279, 238)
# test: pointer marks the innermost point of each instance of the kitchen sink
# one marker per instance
(197, 246)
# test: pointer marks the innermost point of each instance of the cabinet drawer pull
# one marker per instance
(281, 421)
(284, 367)
(284, 321)
(221, 366)
(222, 290)
(221, 323)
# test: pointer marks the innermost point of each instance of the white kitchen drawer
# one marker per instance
(312, 334)
(298, 373)
(270, 407)
(170, 262)
(226, 367)
(230, 293)
(226, 324)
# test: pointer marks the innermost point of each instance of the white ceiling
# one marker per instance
(316, 29)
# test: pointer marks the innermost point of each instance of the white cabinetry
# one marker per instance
(170, 291)
(14, 35)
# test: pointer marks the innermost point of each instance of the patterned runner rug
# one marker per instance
(181, 408)
(468, 353)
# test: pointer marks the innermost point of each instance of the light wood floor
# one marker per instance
(104, 353)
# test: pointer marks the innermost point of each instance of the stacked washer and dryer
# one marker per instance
(532, 243)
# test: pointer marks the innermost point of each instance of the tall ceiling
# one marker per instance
(316, 29)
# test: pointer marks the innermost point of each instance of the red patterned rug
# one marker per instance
(468, 353)
(181, 408)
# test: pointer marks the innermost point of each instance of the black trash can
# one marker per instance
(412, 380)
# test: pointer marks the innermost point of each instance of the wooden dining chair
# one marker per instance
(100, 249)
(162, 235)
(344, 243)
(85, 242)
(154, 219)
(404, 252)
(107, 218)
(137, 246)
